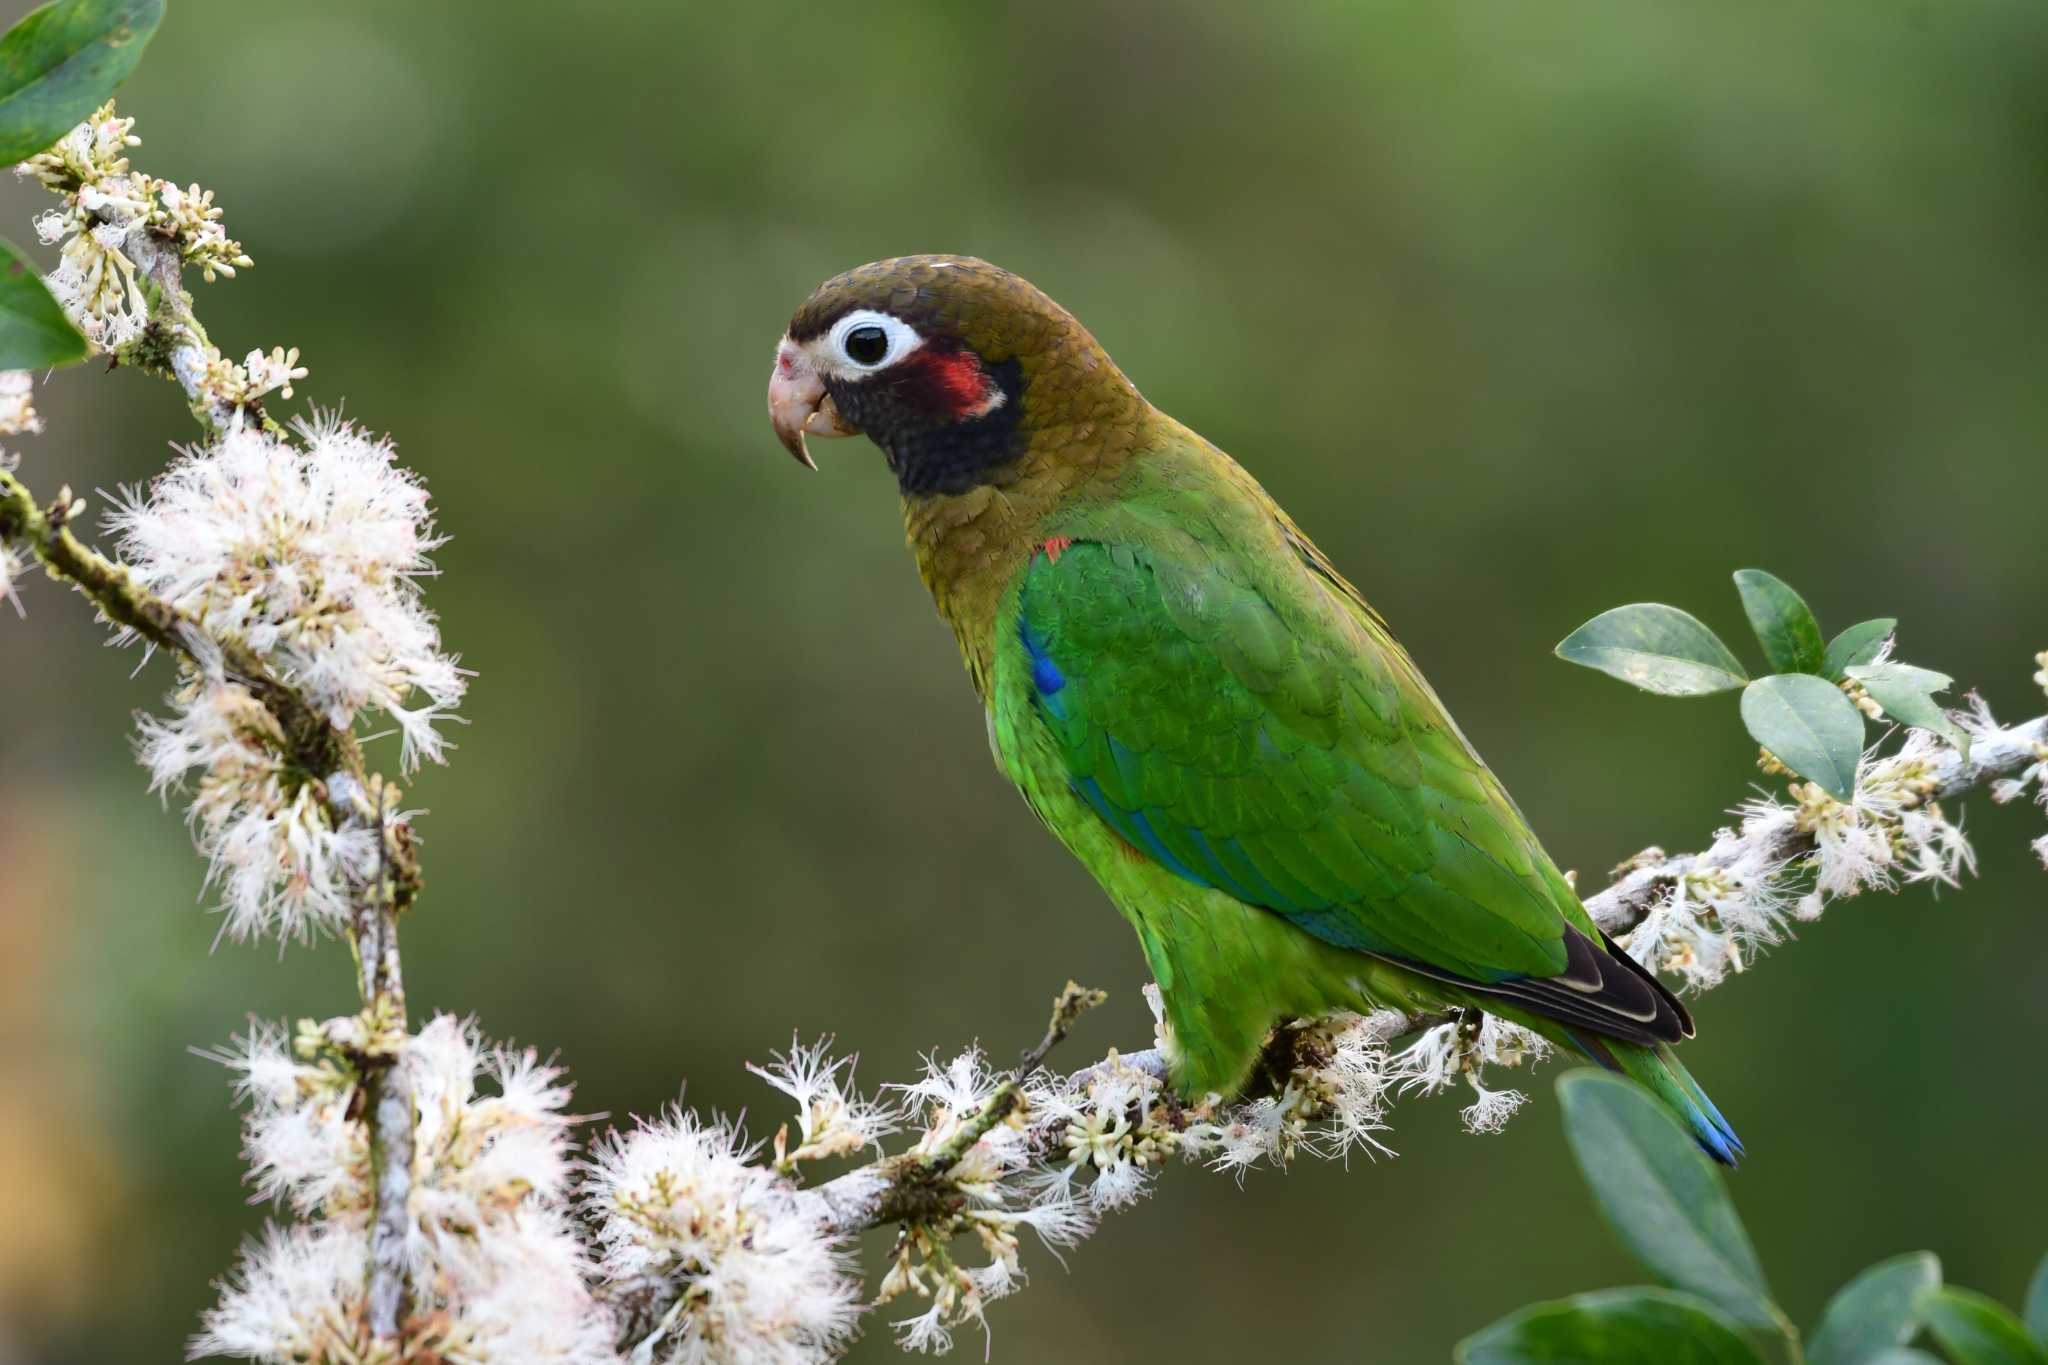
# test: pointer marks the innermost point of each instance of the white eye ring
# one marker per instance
(900, 336)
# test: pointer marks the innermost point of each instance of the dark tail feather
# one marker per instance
(1664, 1076)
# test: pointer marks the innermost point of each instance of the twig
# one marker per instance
(387, 1085)
(1073, 1002)
(1622, 906)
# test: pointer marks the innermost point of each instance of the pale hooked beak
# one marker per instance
(798, 405)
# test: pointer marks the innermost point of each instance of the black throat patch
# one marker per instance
(947, 456)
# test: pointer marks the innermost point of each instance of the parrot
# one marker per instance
(1196, 703)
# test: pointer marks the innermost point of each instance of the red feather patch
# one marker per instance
(958, 376)
(952, 382)
(1054, 548)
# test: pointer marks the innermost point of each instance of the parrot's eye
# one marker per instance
(864, 340)
(867, 345)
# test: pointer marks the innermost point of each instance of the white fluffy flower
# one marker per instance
(311, 556)
(832, 1118)
(294, 1296)
(17, 403)
(280, 864)
(190, 215)
(1889, 829)
(1106, 1121)
(1430, 1063)
(482, 1150)
(95, 282)
(1730, 904)
(104, 204)
(1443, 1053)
(514, 1293)
(301, 1145)
(1490, 1111)
(761, 1283)
(951, 1092)
(1335, 1099)
(498, 1274)
(91, 151)
(12, 565)
(1267, 1129)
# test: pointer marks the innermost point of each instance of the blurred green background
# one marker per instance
(1524, 310)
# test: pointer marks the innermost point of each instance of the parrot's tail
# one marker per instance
(1659, 1071)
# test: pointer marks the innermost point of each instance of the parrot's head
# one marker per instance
(947, 363)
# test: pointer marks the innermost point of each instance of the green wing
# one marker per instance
(1286, 753)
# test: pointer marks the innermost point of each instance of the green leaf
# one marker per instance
(34, 333)
(1900, 1355)
(1873, 1311)
(1659, 1193)
(1611, 1327)
(2037, 1303)
(1812, 728)
(1657, 648)
(1856, 645)
(1783, 623)
(1907, 695)
(61, 61)
(1975, 1330)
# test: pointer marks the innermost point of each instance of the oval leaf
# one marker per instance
(1783, 623)
(1657, 648)
(1975, 1330)
(1874, 1310)
(1907, 695)
(61, 61)
(1858, 644)
(1612, 1327)
(1812, 728)
(34, 333)
(1659, 1193)
(2037, 1304)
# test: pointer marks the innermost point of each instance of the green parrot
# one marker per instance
(1193, 699)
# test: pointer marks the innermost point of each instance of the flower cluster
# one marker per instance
(1332, 1100)
(189, 215)
(496, 1268)
(1465, 1047)
(1052, 1153)
(832, 1118)
(755, 1279)
(17, 416)
(1106, 1130)
(12, 565)
(220, 385)
(2034, 775)
(282, 865)
(1724, 905)
(104, 204)
(310, 553)
(979, 1122)
(17, 405)
(94, 151)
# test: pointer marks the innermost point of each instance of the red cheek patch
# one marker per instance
(950, 383)
(958, 381)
